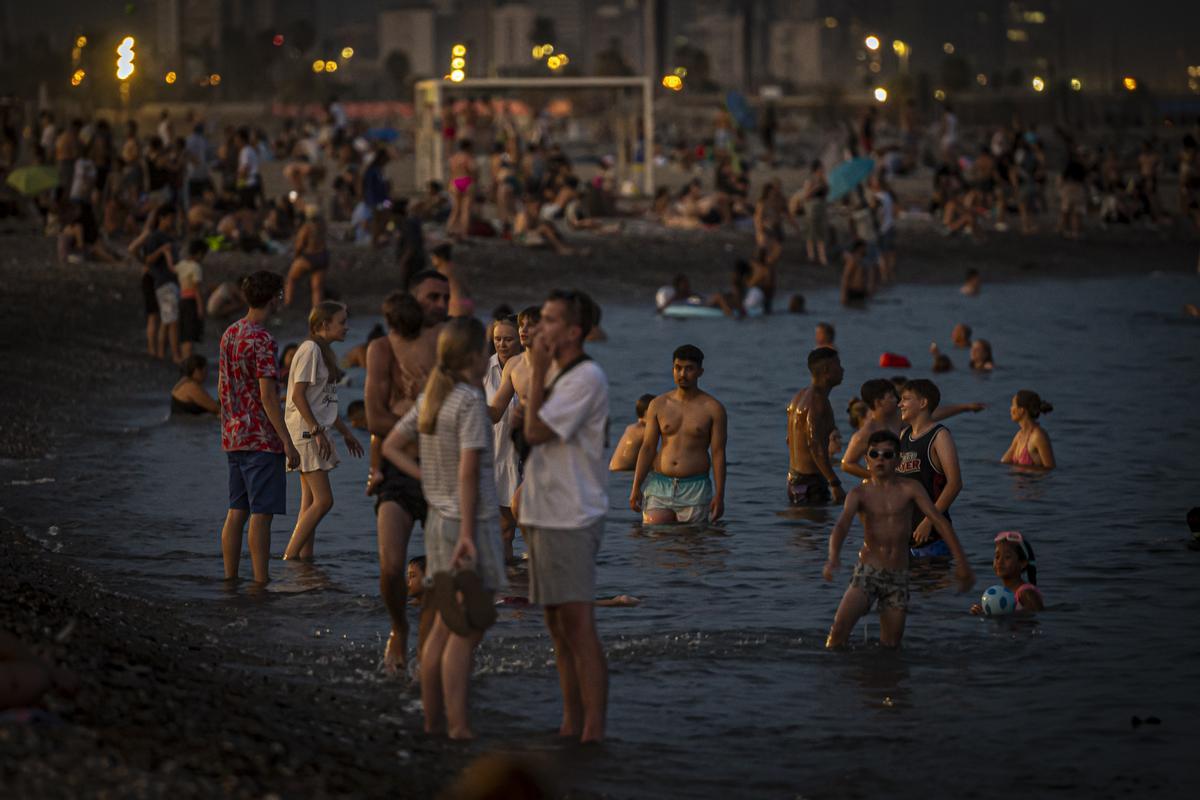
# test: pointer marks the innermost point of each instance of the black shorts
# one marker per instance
(149, 297)
(400, 487)
(191, 324)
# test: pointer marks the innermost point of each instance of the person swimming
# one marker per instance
(981, 356)
(1013, 559)
(624, 457)
(1030, 445)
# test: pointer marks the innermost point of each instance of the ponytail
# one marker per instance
(460, 340)
(322, 313)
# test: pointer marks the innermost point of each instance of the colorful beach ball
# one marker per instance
(998, 600)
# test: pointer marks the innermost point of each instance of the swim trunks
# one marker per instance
(317, 261)
(400, 487)
(887, 587)
(688, 497)
(807, 490)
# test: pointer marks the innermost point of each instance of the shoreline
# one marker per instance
(162, 707)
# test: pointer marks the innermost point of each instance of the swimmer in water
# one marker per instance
(691, 424)
(811, 479)
(883, 400)
(418, 596)
(1030, 445)
(624, 457)
(1013, 559)
(972, 284)
(927, 455)
(961, 335)
(981, 356)
(824, 336)
(887, 504)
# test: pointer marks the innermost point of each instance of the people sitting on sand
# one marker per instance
(531, 230)
(981, 356)
(225, 300)
(189, 396)
(624, 457)
(1030, 446)
(694, 209)
(80, 237)
(671, 483)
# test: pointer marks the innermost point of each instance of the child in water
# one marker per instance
(1013, 559)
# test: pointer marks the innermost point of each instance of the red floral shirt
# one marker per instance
(248, 352)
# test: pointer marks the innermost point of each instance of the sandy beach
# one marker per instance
(163, 707)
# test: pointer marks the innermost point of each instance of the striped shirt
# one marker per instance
(463, 423)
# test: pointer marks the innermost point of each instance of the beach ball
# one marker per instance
(998, 600)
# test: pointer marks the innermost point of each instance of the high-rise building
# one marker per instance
(511, 26)
(410, 31)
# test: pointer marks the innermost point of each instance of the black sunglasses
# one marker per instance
(884, 454)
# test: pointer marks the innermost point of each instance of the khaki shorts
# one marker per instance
(310, 455)
(441, 537)
(562, 563)
(886, 587)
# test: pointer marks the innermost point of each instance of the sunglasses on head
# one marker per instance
(884, 454)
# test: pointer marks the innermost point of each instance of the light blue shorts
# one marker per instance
(688, 497)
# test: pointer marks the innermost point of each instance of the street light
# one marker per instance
(214, 79)
(948, 48)
(318, 65)
(81, 42)
(125, 56)
(900, 48)
(1130, 83)
(331, 66)
(1038, 84)
(1076, 85)
(77, 77)
(672, 82)
(872, 42)
(881, 94)
(458, 50)
(170, 77)
(347, 53)
(457, 75)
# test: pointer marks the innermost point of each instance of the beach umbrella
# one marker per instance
(846, 176)
(33, 180)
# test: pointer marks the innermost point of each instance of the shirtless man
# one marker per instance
(887, 505)
(312, 255)
(810, 421)
(691, 423)
(624, 457)
(883, 400)
(927, 455)
(397, 367)
(856, 275)
(462, 189)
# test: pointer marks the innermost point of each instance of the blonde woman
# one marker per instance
(451, 424)
(310, 413)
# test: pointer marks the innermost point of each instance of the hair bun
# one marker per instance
(1046, 407)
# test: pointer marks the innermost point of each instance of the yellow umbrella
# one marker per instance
(33, 180)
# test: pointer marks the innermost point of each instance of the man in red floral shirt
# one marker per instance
(253, 435)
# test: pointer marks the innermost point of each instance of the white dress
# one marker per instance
(508, 475)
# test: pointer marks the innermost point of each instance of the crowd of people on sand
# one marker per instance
(480, 431)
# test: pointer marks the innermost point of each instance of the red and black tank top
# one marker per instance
(916, 463)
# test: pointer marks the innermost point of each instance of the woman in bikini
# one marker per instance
(1031, 445)
(462, 194)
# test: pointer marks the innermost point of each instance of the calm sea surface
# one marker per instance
(720, 686)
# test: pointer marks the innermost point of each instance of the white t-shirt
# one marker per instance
(566, 478)
(84, 179)
(248, 164)
(507, 472)
(309, 366)
(189, 274)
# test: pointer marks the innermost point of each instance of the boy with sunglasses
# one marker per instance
(886, 503)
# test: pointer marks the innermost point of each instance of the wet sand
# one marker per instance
(162, 707)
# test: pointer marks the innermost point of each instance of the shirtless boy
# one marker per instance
(624, 457)
(691, 423)
(397, 366)
(312, 256)
(810, 421)
(883, 400)
(887, 505)
(515, 378)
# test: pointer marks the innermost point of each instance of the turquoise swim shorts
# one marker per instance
(688, 497)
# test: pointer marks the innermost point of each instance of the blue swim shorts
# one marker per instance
(257, 482)
(688, 497)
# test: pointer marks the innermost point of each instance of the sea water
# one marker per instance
(720, 685)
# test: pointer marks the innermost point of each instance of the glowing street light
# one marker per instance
(672, 82)
(981, 79)
(214, 79)
(554, 62)
(458, 63)
(457, 75)
(77, 77)
(1038, 84)
(318, 65)
(347, 53)
(900, 48)
(1076, 85)
(872, 42)
(458, 51)
(171, 77)
(1130, 83)
(81, 42)
(948, 48)
(331, 66)
(125, 58)
(939, 94)
(881, 94)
